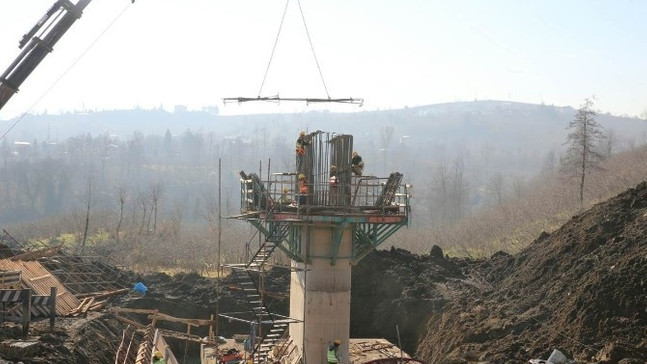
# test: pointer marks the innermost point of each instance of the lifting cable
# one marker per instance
(22, 116)
(277, 98)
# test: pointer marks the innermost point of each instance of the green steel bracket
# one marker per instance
(291, 245)
(369, 236)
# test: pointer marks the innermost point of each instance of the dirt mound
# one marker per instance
(397, 287)
(582, 290)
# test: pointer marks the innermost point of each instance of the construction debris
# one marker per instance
(35, 276)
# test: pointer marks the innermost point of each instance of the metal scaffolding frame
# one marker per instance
(81, 273)
(85, 274)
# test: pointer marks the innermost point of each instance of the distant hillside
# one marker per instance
(520, 124)
(474, 141)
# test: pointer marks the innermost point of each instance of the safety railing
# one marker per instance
(363, 194)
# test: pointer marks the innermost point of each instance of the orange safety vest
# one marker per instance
(303, 189)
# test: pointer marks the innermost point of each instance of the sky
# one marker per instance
(393, 54)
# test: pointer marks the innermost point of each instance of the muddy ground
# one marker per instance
(581, 289)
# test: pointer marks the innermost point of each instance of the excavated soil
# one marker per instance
(582, 290)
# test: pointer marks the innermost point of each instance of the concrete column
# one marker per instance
(320, 294)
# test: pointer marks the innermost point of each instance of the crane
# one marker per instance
(36, 46)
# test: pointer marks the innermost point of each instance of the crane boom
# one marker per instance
(34, 48)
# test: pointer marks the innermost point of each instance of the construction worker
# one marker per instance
(333, 352)
(334, 185)
(303, 189)
(357, 164)
(302, 142)
(158, 358)
(285, 198)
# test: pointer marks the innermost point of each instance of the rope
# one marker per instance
(312, 48)
(276, 41)
(64, 73)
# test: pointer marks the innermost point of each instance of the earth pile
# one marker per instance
(582, 290)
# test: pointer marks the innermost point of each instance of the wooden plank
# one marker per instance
(193, 322)
(130, 322)
(104, 294)
(87, 305)
(33, 269)
(39, 278)
(134, 310)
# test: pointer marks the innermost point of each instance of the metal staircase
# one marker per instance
(273, 335)
(278, 233)
(272, 327)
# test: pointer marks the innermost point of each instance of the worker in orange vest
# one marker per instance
(303, 189)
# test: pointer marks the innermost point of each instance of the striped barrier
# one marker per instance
(40, 305)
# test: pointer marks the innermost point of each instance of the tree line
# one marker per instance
(150, 200)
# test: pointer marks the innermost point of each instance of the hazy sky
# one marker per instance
(391, 53)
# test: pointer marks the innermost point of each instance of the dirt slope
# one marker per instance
(582, 290)
(397, 287)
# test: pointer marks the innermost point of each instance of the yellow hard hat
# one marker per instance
(337, 341)
(285, 189)
(158, 354)
(302, 176)
(302, 132)
(355, 154)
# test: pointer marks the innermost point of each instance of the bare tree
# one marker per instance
(87, 216)
(123, 196)
(440, 191)
(386, 137)
(610, 141)
(518, 187)
(495, 188)
(550, 162)
(487, 150)
(584, 145)
(156, 194)
(458, 190)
